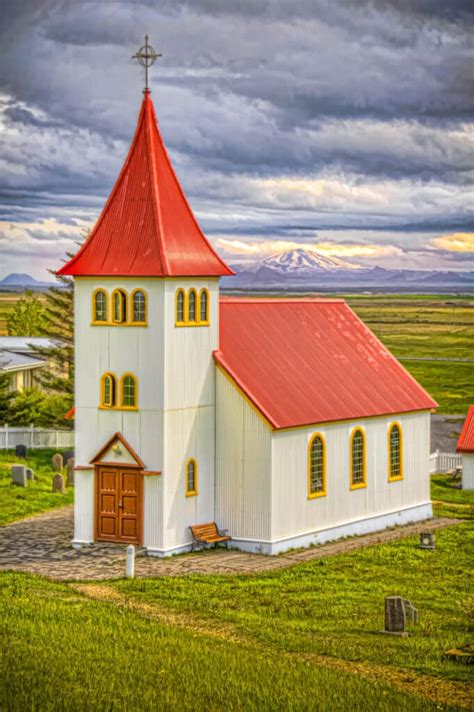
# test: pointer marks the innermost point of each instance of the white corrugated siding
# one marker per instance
(84, 506)
(243, 465)
(178, 420)
(293, 513)
(467, 471)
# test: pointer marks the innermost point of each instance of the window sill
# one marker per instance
(396, 479)
(117, 407)
(362, 485)
(316, 495)
(191, 494)
(180, 324)
(114, 323)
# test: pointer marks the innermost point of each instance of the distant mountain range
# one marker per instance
(307, 269)
(17, 281)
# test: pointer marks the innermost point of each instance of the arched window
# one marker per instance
(180, 307)
(139, 307)
(191, 478)
(119, 305)
(395, 453)
(192, 306)
(358, 456)
(204, 306)
(129, 391)
(100, 307)
(316, 466)
(108, 392)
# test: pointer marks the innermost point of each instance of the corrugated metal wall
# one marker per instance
(243, 465)
(294, 514)
(467, 471)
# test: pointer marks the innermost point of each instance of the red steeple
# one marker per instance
(147, 227)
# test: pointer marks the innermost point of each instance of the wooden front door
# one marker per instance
(119, 504)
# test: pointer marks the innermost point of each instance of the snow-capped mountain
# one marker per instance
(301, 261)
(306, 269)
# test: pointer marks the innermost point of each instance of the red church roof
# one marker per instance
(305, 361)
(147, 227)
(466, 439)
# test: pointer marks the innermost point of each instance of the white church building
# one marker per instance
(285, 421)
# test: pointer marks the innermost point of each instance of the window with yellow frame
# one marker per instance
(100, 307)
(139, 307)
(191, 307)
(191, 478)
(128, 392)
(316, 466)
(358, 459)
(395, 452)
(108, 390)
(119, 306)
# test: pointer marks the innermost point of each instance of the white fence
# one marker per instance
(35, 437)
(444, 461)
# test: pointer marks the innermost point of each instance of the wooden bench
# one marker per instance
(208, 534)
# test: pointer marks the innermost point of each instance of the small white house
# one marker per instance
(466, 447)
(20, 360)
(284, 421)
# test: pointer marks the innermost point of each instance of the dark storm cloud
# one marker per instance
(377, 96)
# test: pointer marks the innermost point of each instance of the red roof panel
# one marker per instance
(466, 439)
(147, 227)
(305, 361)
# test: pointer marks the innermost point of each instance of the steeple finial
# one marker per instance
(146, 56)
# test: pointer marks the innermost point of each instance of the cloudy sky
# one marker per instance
(345, 127)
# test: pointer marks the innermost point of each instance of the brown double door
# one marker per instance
(119, 504)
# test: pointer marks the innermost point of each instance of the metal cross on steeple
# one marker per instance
(146, 56)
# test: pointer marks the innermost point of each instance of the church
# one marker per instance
(285, 421)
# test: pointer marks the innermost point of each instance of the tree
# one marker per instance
(26, 407)
(28, 316)
(6, 395)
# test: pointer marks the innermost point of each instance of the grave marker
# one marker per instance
(30, 475)
(57, 462)
(58, 484)
(21, 451)
(70, 472)
(19, 475)
(397, 609)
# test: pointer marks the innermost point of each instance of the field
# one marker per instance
(17, 502)
(427, 327)
(301, 638)
(8, 301)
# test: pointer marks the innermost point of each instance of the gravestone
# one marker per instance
(58, 484)
(70, 471)
(397, 610)
(57, 462)
(67, 455)
(19, 475)
(21, 451)
(427, 540)
(30, 475)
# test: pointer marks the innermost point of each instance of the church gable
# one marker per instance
(117, 451)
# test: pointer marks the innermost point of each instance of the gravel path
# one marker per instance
(41, 545)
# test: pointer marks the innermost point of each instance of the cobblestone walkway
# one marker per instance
(41, 545)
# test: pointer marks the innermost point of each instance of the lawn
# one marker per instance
(17, 502)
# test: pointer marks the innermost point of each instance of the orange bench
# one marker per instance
(208, 534)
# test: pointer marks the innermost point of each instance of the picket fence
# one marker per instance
(35, 437)
(444, 461)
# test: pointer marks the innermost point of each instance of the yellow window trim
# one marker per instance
(186, 294)
(399, 477)
(362, 484)
(191, 493)
(128, 374)
(315, 495)
(132, 310)
(107, 374)
(106, 322)
(123, 300)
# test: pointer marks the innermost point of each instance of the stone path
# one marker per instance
(41, 545)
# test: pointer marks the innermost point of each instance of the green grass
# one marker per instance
(64, 652)
(18, 502)
(335, 605)
(449, 500)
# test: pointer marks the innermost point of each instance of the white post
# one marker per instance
(130, 562)
(32, 440)
(6, 436)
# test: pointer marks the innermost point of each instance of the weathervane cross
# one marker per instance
(146, 56)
